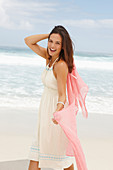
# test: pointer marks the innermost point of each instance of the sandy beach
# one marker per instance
(18, 125)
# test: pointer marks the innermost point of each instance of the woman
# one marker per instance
(49, 146)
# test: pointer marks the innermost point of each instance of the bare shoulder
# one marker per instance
(61, 66)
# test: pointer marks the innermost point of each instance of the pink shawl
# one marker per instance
(66, 118)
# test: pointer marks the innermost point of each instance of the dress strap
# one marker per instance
(54, 62)
(48, 68)
(49, 62)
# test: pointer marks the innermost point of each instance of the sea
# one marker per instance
(21, 85)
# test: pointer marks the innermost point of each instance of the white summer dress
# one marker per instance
(49, 143)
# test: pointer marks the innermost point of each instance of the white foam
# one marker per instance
(39, 61)
(94, 104)
(21, 60)
(98, 65)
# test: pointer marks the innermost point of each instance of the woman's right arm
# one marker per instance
(31, 42)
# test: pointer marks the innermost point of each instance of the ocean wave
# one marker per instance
(39, 61)
(94, 104)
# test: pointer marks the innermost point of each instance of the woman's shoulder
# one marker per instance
(61, 65)
(60, 62)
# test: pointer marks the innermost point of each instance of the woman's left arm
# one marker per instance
(61, 70)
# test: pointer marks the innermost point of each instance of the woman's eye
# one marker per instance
(57, 43)
(50, 40)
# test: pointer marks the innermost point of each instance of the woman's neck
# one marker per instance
(53, 59)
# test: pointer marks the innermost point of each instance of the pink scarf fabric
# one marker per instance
(66, 118)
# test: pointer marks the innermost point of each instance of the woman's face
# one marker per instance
(54, 45)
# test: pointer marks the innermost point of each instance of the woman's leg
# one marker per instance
(33, 165)
(70, 168)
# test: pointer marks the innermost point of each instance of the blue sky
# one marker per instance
(90, 23)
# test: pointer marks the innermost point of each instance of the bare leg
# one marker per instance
(33, 165)
(70, 168)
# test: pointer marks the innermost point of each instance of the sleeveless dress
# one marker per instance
(49, 143)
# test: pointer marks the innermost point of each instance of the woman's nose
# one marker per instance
(52, 45)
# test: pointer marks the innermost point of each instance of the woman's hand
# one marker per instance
(54, 121)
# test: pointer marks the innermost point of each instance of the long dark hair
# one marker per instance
(66, 53)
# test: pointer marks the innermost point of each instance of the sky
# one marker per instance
(89, 23)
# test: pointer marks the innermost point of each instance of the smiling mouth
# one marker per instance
(52, 50)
